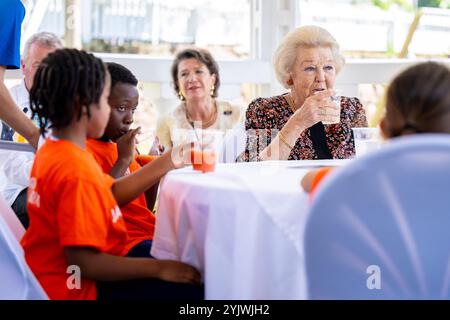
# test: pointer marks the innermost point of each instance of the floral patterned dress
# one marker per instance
(266, 116)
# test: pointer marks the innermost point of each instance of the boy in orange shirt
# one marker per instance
(77, 232)
(115, 153)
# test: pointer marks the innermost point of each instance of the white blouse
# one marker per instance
(175, 128)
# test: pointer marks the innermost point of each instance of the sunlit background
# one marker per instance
(364, 28)
(242, 35)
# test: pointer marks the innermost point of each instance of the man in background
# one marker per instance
(16, 166)
(37, 48)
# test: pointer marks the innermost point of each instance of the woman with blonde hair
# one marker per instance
(304, 123)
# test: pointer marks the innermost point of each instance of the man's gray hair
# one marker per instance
(46, 39)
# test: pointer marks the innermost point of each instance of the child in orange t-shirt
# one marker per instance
(115, 153)
(77, 232)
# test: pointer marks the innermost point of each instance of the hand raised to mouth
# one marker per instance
(126, 145)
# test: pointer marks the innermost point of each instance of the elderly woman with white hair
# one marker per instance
(305, 123)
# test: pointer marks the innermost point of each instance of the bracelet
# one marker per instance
(283, 139)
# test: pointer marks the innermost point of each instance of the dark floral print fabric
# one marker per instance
(266, 116)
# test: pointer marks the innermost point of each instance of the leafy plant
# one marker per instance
(386, 4)
(445, 4)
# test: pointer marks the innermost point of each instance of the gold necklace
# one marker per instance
(205, 124)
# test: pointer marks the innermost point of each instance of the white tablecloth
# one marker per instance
(241, 226)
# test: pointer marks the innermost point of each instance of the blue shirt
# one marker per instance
(12, 13)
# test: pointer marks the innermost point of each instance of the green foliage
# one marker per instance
(386, 4)
(390, 51)
(407, 4)
(435, 3)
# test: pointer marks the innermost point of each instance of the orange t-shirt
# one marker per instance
(70, 204)
(140, 221)
(318, 178)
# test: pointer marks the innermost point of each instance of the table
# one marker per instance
(242, 226)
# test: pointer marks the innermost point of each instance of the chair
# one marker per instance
(16, 279)
(11, 220)
(379, 228)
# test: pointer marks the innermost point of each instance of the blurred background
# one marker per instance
(378, 38)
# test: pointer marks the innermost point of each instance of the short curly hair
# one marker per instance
(304, 37)
(121, 74)
(203, 56)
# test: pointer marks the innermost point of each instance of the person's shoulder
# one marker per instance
(351, 105)
(179, 110)
(20, 94)
(229, 113)
(167, 119)
(268, 102)
(105, 153)
(265, 112)
(63, 160)
(100, 148)
(98, 145)
(178, 115)
(59, 151)
(226, 108)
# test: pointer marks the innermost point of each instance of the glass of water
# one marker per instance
(367, 140)
(335, 119)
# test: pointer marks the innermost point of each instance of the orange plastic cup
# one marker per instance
(203, 160)
(208, 161)
(197, 159)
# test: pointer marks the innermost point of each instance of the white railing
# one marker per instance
(235, 73)
(373, 71)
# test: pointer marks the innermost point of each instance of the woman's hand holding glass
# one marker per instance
(316, 108)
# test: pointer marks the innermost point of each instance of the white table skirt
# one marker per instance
(241, 226)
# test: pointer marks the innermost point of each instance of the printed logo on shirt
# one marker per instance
(116, 214)
(34, 197)
(74, 280)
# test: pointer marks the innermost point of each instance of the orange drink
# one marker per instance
(197, 159)
(203, 160)
(205, 155)
(208, 161)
